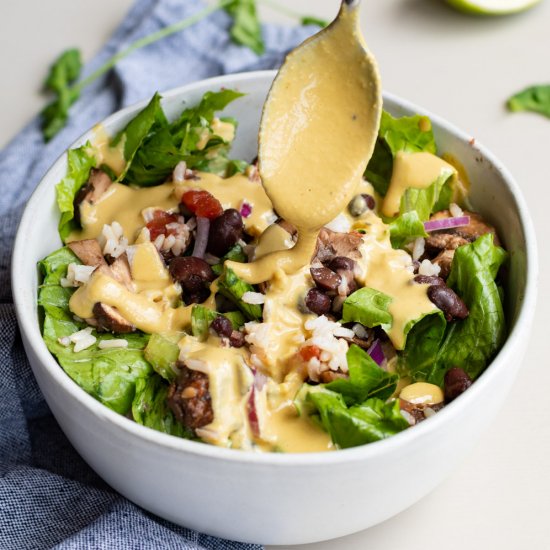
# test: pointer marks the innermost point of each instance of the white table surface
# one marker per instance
(462, 68)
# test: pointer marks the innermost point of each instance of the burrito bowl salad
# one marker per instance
(397, 313)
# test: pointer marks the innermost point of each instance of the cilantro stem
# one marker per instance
(146, 40)
(282, 9)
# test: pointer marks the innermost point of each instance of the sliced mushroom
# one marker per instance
(88, 252)
(331, 244)
(109, 319)
(444, 260)
(98, 182)
(120, 271)
(443, 241)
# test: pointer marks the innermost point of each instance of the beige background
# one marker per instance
(462, 68)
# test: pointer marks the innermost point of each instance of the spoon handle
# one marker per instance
(352, 3)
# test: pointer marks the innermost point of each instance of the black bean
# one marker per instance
(429, 280)
(225, 231)
(341, 262)
(192, 273)
(416, 266)
(457, 381)
(325, 278)
(318, 302)
(222, 326)
(448, 301)
(236, 339)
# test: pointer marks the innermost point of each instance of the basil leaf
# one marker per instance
(246, 29)
(367, 422)
(535, 99)
(110, 374)
(410, 134)
(471, 343)
(150, 408)
(366, 379)
(233, 288)
(79, 163)
(368, 307)
(64, 71)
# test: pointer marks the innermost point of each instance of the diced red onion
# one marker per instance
(246, 209)
(201, 237)
(253, 413)
(377, 353)
(446, 223)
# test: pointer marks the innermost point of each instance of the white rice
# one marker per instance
(428, 269)
(82, 339)
(115, 242)
(113, 343)
(455, 210)
(428, 411)
(360, 331)
(65, 341)
(418, 248)
(340, 224)
(178, 175)
(77, 275)
(253, 298)
(408, 417)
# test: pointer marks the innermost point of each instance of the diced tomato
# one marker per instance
(309, 352)
(202, 203)
(157, 226)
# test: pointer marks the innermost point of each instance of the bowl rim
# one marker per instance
(30, 328)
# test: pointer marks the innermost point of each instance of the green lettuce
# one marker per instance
(366, 379)
(233, 288)
(162, 352)
(153, 146)
(370, 421)
(150, 407)
(109, 374)
(405, 228)
(235, 254)
(79, 163)
(368, 307)
(202, 317)
(470, 344)
(410, 134)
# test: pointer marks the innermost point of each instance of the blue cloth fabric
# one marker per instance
(49, 497)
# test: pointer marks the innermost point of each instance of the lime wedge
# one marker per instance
(492, 7)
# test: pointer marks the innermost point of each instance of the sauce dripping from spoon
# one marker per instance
(318, 130)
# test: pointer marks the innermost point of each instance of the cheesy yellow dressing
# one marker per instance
(416, 170)
(230, 380)
(385, 269)
(318, 130)
(225, 130)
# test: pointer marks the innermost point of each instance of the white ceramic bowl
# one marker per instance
(280, 498)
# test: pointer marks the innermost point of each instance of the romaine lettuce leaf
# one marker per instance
(110, 374)
(470, 344)
(202, 317)
(162, 352)
(79, 163)
(150, 407)
(368, 307)
(366, 379)
(367, 422)
(233, 288)
(162, 145)
(410, 134)
(405, 228)
(235, 254)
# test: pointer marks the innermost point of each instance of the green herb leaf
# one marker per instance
(235, 254)
(64, 71)
(367, 422)
(410, 134)
(79, 163)
(202, 317)
(246, 29)
(368, 307)
(150, 408)
(535, 99)
(366, 379)
(233, 288)
(311, 20)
